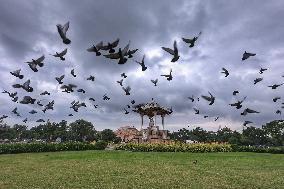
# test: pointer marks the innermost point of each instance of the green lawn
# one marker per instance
(115, 169)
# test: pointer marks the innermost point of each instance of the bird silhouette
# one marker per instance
(132, 101)
(92, 99)
(210, 98)
(278, 112)
(27, 100)
(225, 72)
(68, 88)
(39, 103)
(105, 97)
(169, 77)
(96, 48)
(14, 111)
(120, 82)
(3, 117)
(247, 110)
(110, 46)
(120, 55)
(34, 63)
(26, 86)
(49, 106)
(191, 41)
(246, 55)
(62, 30)
(32, 112)
(262, 70)
(275, 86)
(142, 63)
(131, 52)
(127, 90)
(196, 111)
(59, 79)
(60, 55)
(191, 98)
(235, 93)
(81, 91)
(126, 112)
(246, 122)
(238, 104)
(257, 80)
(40, 121)
(154, 82)
(173, 52)
(25, 120)
(216, 118)
(123, 75)
(45, 93)
(17, 73)
(276, 98)
(73, 73)
(91, 78)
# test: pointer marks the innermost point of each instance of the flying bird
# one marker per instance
(28, 100)
(34, 63)
(278, 112)
(25, 120)
(173, 52)
(142, 63)
(14, 111)
(33, 112)
(123, 75)
(110, 46)
(73, 73)
(247, 110)
(126, 112)
(276, 98)
(169, 77)
(225, 72)
(191, 98)
(196, 111)
(40, 120)
(257, 80)
(81, 91)
(26, 86)
(154, 82)
(131, 52)
(91, 78)
(216, 118)
(68, 88)
(120, 82)
(210, 98)
(246, 122)
(45, 93)
(235, 93)
(120, 55)
(49, 106)
(96, 48)
(17, 73)
(132, 102)
(275, 86)
(105, 97)
(59, 79)
(39, 103)
(238, 104)
(262, 70)
(246, 55)
(3, 117)
(60, 55)
(191, 41)
(92, 99)
(62, 32)
(127, 90)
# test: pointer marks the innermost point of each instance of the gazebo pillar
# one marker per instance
(163, 121)
(142, 121)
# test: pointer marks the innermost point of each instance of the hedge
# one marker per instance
(49, 147)
(258, 149)
(146, 147)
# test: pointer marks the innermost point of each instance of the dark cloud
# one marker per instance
(28, 30)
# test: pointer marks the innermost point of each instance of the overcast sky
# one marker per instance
(28, 30)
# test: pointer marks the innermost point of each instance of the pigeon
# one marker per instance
(15, 111)
(169, 77)
(247, 110)
(278, 112)
(3, 117)
(128, 106)
(34, 63)
(276, 98)
(120, 82)
(81, 91)
(40, 120)
(191, 41)
(76, 105)
(211, 99)
(246, 55)
(68, 88)
(154, 82)
(62, 32)
(73, 73)
(194, 162)
(191, 98)
(91, 78)
(225, 72)
(26, 86)
(110, 46)
(96, 106)
(205, 116)
(262, 70)
(15, 99)
(238, 104)
(275, 86)
(28, 100)
(142, 63)
(33, 112)
(96, 48)
(132, 102)
(39, 103)
(131, 52)
(127, 90)
(216, 118)
(120, 54)
(17, 74)
(123, 75)
(25, 120)
(92, 99)
(196, 111)
(12, 95)
(246, 122)
(126, 112)
(45, 93)
(61, 54)
(173, 52)
(257, 80)
(49, 106)
(59, 79)
(235, 93)
(70, 115)
(105, 97)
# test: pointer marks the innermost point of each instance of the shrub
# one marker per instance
(258, 149)
(48, 147)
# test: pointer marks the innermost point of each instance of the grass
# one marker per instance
(119, 169)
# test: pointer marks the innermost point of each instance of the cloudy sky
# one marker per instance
(28, 30)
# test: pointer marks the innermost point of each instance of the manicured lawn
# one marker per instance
(115, 169)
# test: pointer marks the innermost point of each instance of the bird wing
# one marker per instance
(168, 50)
(63, 52)
(99, 45)
(112, 56)
(186, 40)
(115, 43)
(175, 47)
(40, 59)
(125, 50)
(27, 84)
(206, 97)
(65, 28)
(251, 111)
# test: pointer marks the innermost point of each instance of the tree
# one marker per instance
(109, 136)
(81, 130)
(20, 131)
(274, 131)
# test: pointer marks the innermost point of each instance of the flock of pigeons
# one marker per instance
(121, 55)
